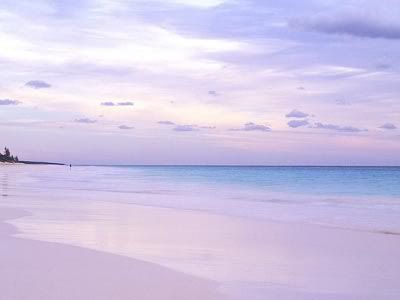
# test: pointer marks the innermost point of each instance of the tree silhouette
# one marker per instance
(7, 157)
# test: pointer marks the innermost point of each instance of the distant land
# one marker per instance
(27, 162)
(7, 157)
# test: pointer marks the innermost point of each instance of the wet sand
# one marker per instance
(38, 270)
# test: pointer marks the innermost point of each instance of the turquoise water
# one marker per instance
(326, 181)
(365, 198)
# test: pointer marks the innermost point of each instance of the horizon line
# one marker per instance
(234, 165)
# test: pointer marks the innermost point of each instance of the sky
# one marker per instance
(313, 82)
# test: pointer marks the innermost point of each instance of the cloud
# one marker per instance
(297, 114)
(201, 4)
(350, 23)
(186, 128)
(343, 102)
(297, 123)
(252, 127)
(166, 123)
(389, 126)
(38, 84)
(338, 128)
(213, 93)
(85, 121)
(125, 127)
(9, 102)
(192, 127)
(383, 66)
(125, 103)
(110, 103)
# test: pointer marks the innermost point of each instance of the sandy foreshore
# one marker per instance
(35, 270)
(289, 262)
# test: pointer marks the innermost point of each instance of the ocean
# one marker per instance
(361, 198)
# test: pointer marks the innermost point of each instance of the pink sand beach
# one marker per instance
(41, 270)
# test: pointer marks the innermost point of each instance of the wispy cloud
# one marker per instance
(128, 103)
(350, 23)
(192, 127)
(383, 66)
(9, 102)
(38, 84)
(342, 102)
(166, 123)
(253, 127)
(110, 103)
(338, 128)
(85, 121)
(297, 114)
(186, 128)
(107, 103)
(125, 127)
(389, 126)
(297, 123)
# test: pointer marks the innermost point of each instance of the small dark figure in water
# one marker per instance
(70, 166)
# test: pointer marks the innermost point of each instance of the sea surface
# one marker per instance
(215, 222)
(362, 198)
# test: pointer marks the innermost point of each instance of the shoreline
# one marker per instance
(32, 163)
(37, 270)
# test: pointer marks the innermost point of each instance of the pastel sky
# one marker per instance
(201, 82)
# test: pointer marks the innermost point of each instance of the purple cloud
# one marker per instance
(38, 84)
(125, 103)
(352, 24)
(166, 123)
(343, 102)
(125, 127)
(252, 127)
(319, 125)
(186, 128)
(297, 114)
(192, 127)
(383, 66)
(85, 121)
(297, 123)
(110, 103)
(213, 93)
(9, 102)
(389, 126)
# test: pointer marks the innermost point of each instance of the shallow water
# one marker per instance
(362, 198)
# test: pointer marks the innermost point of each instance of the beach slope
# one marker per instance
(37, 270)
